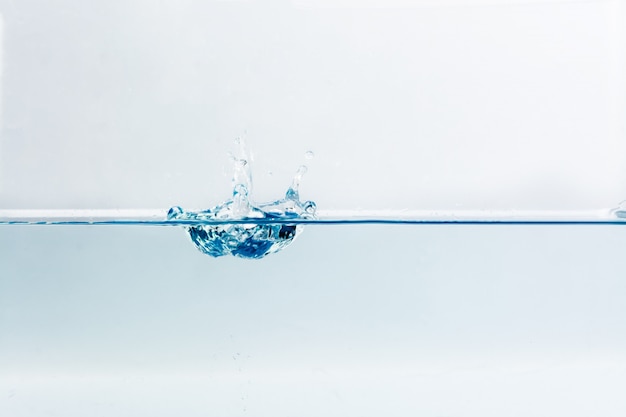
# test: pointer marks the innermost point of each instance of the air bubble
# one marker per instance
(309, 155)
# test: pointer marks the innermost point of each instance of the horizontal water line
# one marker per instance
(157, 217)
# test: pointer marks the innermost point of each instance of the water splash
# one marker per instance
(252, 241)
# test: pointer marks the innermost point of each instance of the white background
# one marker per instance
(417, 105)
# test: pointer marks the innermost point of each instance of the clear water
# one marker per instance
(362, 320)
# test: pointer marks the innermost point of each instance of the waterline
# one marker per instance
(158, 217)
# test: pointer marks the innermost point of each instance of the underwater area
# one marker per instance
(348, 320)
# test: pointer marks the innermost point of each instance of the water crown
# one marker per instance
(253, 240)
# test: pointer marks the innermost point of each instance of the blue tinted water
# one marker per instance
(358, 320)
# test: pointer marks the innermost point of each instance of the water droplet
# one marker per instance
(620, 210)
(309, 155)
(174, 213)
(293, 191)
(310, 207)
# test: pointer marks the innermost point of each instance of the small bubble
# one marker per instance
(270, 173)
(309, 155)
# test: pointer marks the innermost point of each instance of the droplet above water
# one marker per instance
(174, 212)
(620, 210)
(310, 207)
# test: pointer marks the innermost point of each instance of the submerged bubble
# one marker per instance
(309, 155)
(247, 240)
